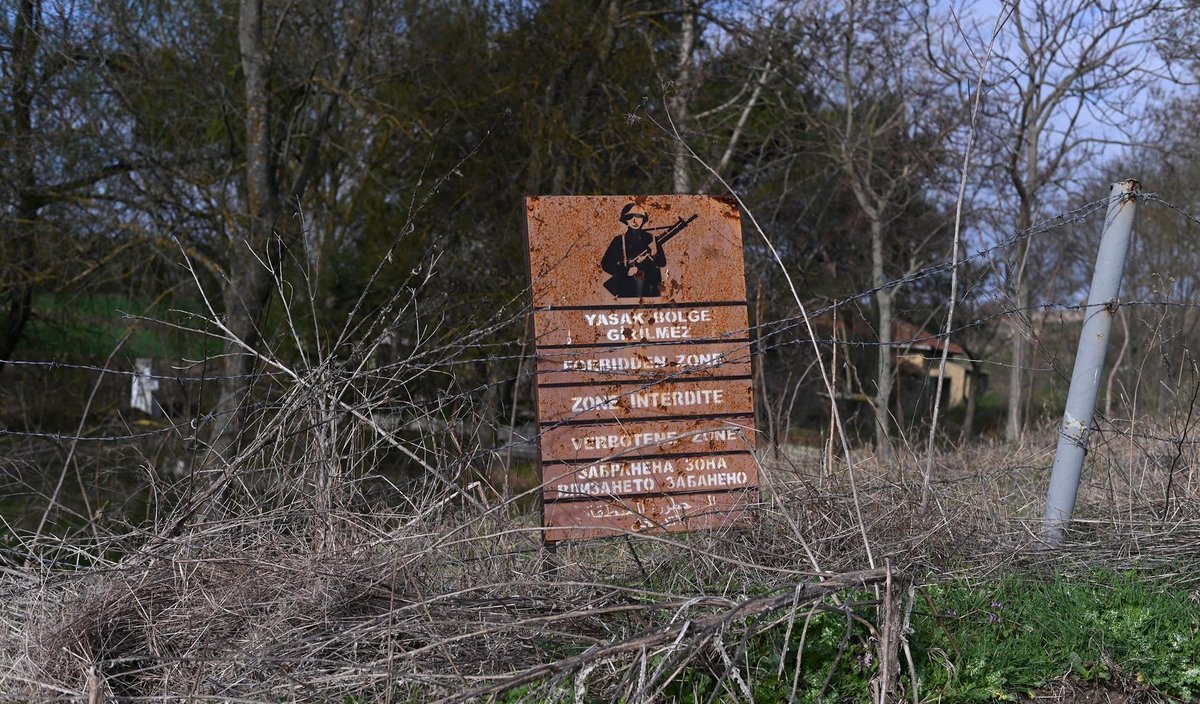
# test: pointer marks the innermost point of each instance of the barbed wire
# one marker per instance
(434, 408)
(764, 329)
(55, 365)
(1154, 198)
(1060, 220)
(444, 400)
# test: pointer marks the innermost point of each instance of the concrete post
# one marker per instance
(1089, 360)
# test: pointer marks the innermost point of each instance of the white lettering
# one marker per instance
(649, 325)
(622, 441)
(607, 364)
(712, 359)
(609, 487)
(673, 332)
(723, 435)
(700, 464)
(666, 399)
(692, 315)
(654, 466)
(704, 481)
(635, 318)
(581, 404)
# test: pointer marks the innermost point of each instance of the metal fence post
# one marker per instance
(1089, 360)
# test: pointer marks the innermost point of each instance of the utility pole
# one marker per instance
(1102, 304)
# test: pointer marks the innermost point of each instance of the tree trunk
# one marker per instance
(1014, 427)
(247, 291)
(884, 378)
(492, 409)
(611, 22)
(16, 317)
(19, 306)
(973, 380)
(678, 101)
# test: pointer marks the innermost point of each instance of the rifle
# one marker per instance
(660, 240)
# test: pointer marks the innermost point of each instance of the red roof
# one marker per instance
(905, 333)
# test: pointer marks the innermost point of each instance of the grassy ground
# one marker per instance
(451, 594)
(90, 327)
(1015, 637)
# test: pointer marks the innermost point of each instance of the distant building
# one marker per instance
(849, 350)
(919, 353)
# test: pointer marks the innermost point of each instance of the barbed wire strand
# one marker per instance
(425, 410)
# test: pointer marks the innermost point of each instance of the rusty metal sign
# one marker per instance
(642, 335)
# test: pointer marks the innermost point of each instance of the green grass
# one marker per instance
(89, 328)
(996, 641)
(992, 642)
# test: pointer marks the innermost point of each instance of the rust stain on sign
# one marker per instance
(643, 359)
(615, 402)
(678, 323)
(650, 475)
(643, 363)
(575, 520)
(604, 250)
(647, 439)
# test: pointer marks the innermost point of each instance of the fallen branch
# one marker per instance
(669, 633)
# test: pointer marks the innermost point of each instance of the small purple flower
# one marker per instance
(993, 618)
(996, 606)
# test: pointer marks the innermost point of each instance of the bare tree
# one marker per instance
(51, 162)
(1064, 84)
(272, 181)
(883, 120)
(232, 123)
(1164, 266)
(677, 102)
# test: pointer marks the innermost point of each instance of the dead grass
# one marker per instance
(367, 606)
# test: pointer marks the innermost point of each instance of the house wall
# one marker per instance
(957, 374)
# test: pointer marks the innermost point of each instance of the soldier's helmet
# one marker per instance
(631, 210)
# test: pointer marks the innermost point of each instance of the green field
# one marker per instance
(87, 328)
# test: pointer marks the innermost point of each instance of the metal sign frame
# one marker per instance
(644, 394)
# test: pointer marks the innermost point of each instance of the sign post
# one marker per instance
(143, 386)
(1102, 303)
(645, 404)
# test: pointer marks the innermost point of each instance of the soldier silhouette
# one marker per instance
(633, 258)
